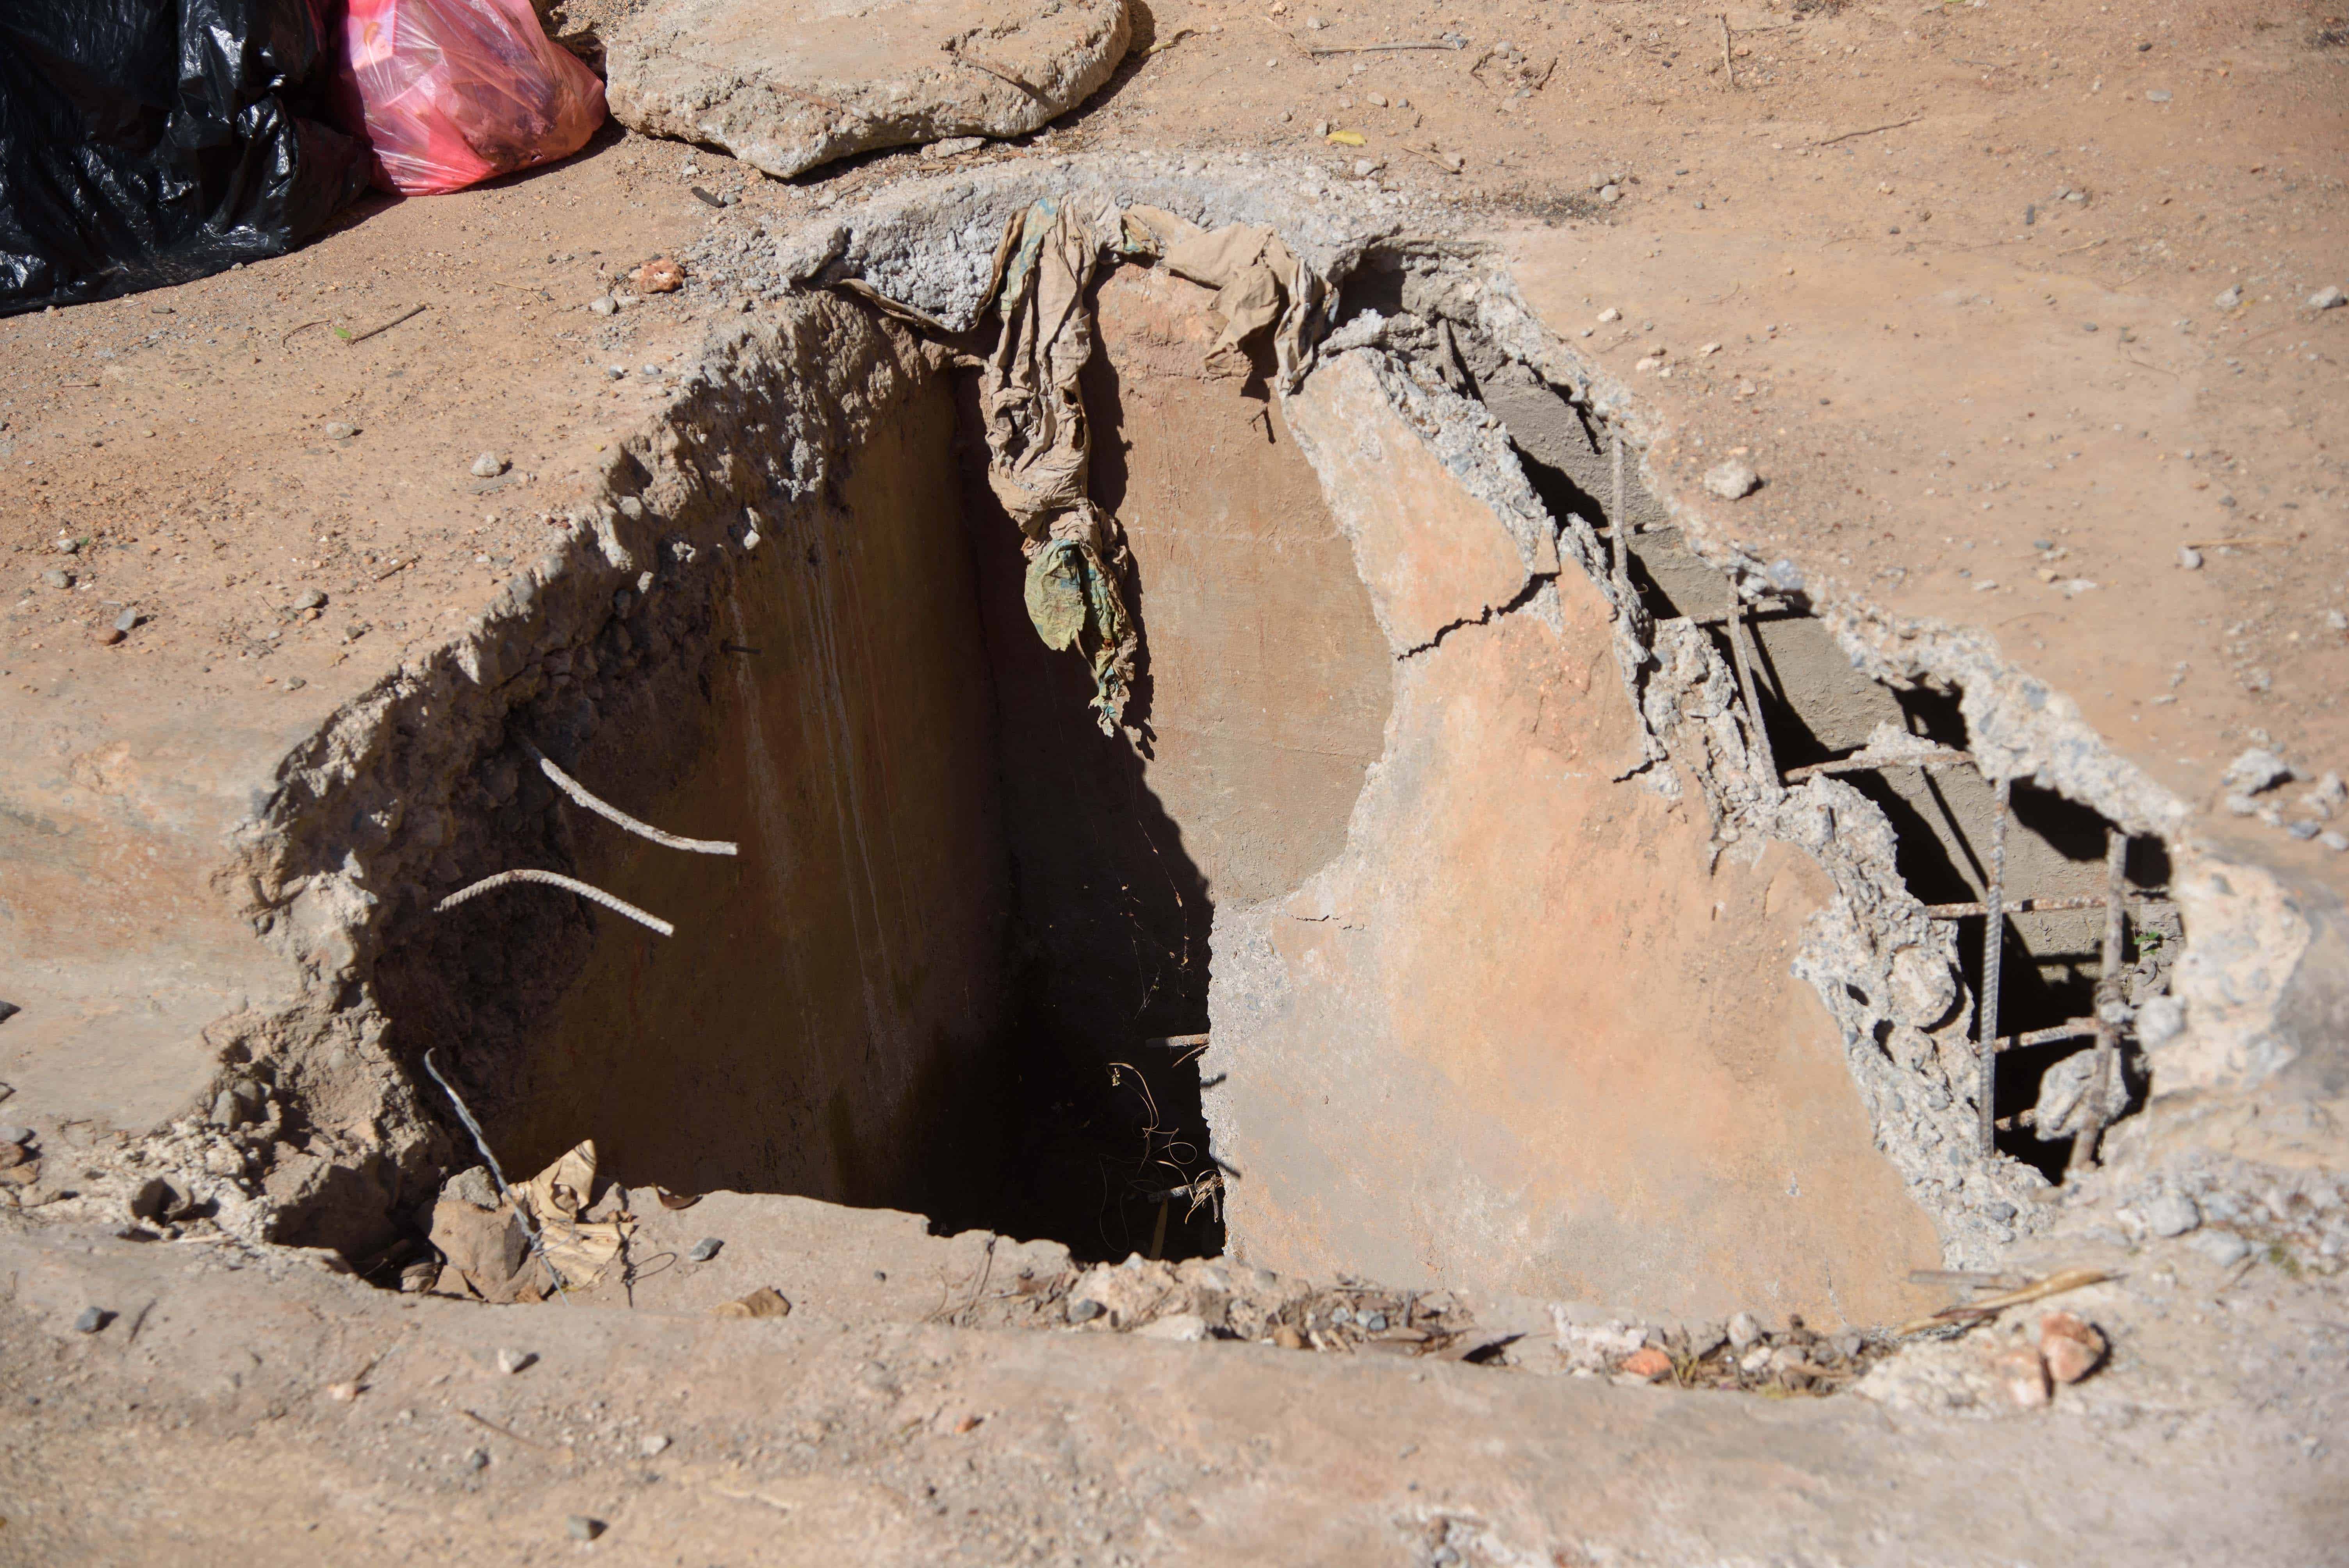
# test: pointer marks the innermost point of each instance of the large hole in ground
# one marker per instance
(1530, 1022)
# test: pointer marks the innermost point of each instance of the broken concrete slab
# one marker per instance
(786, 87)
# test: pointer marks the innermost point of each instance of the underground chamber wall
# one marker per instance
(959, 910)
(963, 920)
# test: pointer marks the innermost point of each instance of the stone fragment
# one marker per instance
(511, 1361)
(2255, 770)
(11, 1132)
(92, 1319)
(653, 1446)
(2189, 558)
(583, 1528)
(764, 1302)
(2229, 297)
(1648, 1364)
(311, 599)
(1732, 480)
(1185, 1327)
(603, 305)
(1084, 1311)
(336, 430)
(56, 578)
(487, 466)
(704, 1249)
(2223, 1248)
(2329, 298)
(786, 85)
(127, 621)
(2022, 1376)
(2172, 1214)
(1743, 1332)
(2070, 1346)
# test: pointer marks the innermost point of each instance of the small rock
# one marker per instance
(2157, 94)
(583, 1528)
(1609, 315)
(511, 1361)
(2303, 830)
(1374, 1323)
(954, 147)
(1648, 1364)
(1732, 480)
(1743, 1332)
(342, 1393)
(1185, 1327)
(603, 305)
(2021, 1375)
(2070, 1346)
(1376, 100)
(92, 1319)
(488, 466)
(311, 599)
(704, 1249)
(2328, 298)
(126, 621)
(2255, 770)
(1364, 168)
(1611, 194)
(477, 1459)
(2223, 1248)
(653, 1446)
(2336, 843)
(1320, 127)
(2172, 1214)
(2229, 297)
(10, 1132)
(107, 636)
(56, 578)
(1084, 1311)
(294, 683)
(336, 430)
(2189, 558)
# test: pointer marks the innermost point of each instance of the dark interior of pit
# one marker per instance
(1072, 1116)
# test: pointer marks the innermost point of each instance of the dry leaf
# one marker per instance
(1348, 138)
(670, 1200)
(764, 1302)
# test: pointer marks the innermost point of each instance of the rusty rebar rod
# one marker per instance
(1737, 634)
(556, 879)
(2042, 906)
(2108, 994)
(1941, 756)
(1994, 942)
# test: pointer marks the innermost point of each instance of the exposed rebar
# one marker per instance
(610, 813)
(555, 879)
(2041, 906)
(1993, 943)
(1737, 635)
(2108, 993)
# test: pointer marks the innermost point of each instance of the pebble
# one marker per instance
(1084, 1311)
(2172, 1214)
(2223, 1248)
(311, 599)
(487, 466)
(1732, 480)
(1320, 127)
(57, 579)
(1743, 1331)
(2157, 94)
(653, 1446)
(2070, 1344)
(2229, 297)
(12, 1133)
(92, 1319)
(2334, 842)
(583, 1528)
(2329, 298)
(512, 1361)
(603, 305)
(1377, 101)
(2302, 829)
(1611, 315)
(126, 621)
(477, 1459)
(1611, 194)
(2189, 558)
(2255, 770)
(1374, 1323)
(705, 1249)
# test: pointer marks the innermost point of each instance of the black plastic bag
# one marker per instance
(146, 142)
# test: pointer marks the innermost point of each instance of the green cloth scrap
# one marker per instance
(1071, 594)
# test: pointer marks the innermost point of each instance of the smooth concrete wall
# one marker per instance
(1527, 1032)
(831, 991)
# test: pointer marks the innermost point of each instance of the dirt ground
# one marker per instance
(1960, 282)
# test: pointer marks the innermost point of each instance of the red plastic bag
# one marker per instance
(453, 92)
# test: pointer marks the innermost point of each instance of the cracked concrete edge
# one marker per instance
(334, 854)
(2254, 1009)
